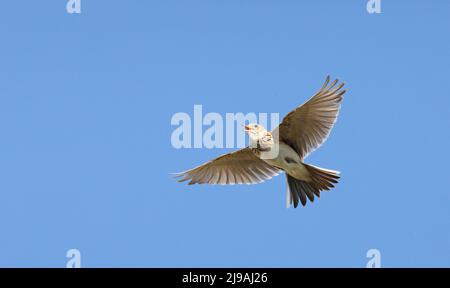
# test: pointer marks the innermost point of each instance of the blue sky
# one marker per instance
(85, 153)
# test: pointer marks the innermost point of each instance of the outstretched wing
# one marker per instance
(240, 167)
(309, 125)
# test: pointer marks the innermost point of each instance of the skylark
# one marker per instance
(301, 132)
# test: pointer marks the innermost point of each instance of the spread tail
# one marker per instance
(299, 190)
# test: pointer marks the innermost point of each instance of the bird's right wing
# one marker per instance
(240, 167)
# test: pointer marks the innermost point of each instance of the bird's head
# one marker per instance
(259, 137)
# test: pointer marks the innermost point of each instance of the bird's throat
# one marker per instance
(259, 149)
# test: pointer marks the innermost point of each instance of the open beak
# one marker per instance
(247, 128)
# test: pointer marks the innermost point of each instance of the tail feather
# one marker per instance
(299, 190)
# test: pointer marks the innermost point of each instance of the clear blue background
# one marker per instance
(85, 153)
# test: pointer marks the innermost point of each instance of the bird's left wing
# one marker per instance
(308, 126)
(239, 167)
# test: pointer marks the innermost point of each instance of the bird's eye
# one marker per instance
(255, 126)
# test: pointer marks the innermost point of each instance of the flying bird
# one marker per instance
(284, 149)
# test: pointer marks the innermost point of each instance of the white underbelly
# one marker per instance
(286, 159)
